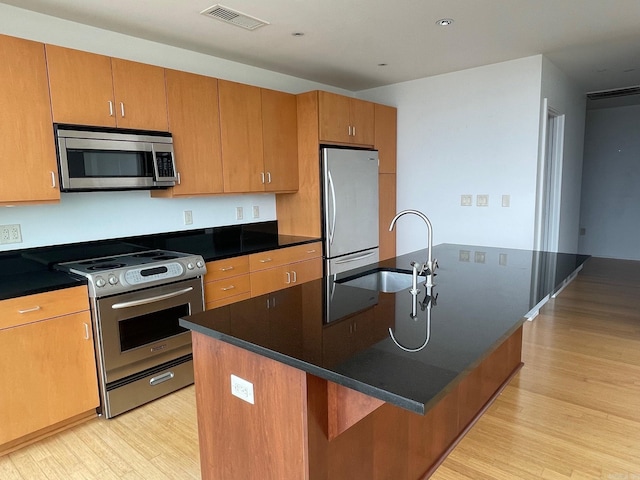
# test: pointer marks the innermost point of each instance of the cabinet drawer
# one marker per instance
(284, 276)
(227, 287)
(227, 268)
(40, 306)
(283, 256)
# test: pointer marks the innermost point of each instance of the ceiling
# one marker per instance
(595, 42)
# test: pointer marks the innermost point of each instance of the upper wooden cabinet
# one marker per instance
(259, 139)
(385, 137)
(280, 136)
(192, 104)
(28, 149)
(345, 120)
(91, 89)
(241, 133)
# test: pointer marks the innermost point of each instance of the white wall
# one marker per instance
(468, 132)
(610, 210)
(565, 98)
(81, 217)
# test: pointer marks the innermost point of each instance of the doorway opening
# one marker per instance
(549, 192)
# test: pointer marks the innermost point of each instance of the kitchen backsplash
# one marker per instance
(90, 216)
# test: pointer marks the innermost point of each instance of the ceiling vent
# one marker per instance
(239, 19)
(619, 92)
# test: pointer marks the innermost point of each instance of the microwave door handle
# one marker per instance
(144, 301)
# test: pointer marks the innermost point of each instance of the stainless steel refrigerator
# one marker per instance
(350, 207)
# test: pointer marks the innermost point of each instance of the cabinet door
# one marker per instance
(386, 137)
(333, 113)
(29, 169)
(269, 280)
(280, 136)
(48, 373)
(140, 95)
(362, 121)
(192, 103)
(81, 87)
(387, 206)
(306, 271)
(241, 134)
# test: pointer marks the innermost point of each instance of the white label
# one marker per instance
(242, 389)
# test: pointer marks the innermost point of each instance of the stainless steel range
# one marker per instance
(136, 301)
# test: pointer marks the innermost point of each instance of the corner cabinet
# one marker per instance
(29, 165)
(259, 139)
(192, 105)
(47, 365)
(91, 89)
(345, 119)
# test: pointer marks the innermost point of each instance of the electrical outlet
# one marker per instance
(10, 234)
(238, 213)
(242, 389)
(256, 211)
(482, 201)
(188, 217)
(464, 255)
(466, 200)
(480, 257)
(502, 260)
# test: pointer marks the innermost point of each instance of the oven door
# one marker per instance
(139, 330)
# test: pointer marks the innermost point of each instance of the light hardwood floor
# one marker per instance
(572, 412)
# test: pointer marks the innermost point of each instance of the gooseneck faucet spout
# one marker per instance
(431, 265)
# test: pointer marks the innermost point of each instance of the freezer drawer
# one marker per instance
(351, 261)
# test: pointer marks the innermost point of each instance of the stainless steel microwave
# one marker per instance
(94, 158)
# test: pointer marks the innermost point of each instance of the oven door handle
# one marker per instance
(144, 301)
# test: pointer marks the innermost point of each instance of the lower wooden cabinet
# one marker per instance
(47, 366)
(286, 267)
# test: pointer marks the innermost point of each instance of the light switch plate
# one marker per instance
(188, 217)
(466, 200)
(506, 200)
(480, 257)
(239, 213)
(482, 200)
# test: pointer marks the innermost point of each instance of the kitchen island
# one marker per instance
(307, 382)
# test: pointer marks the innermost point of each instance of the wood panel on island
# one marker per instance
(30, 170)
(47, 364)
(91, 89)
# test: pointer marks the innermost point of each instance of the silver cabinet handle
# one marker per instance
(122, 109)
(288, 281)
(266, 260)
(354, 131)
(226, 269)
(178, 175)
(268, 177)
(110, 108)
(295, 276)
(230, 287)
(161, 378)
(144, 301)
(86, 331)
(311, 251)
(262, 177)
(53, 180)
(349, 130)
(29, 310)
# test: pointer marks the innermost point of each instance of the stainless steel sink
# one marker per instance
(385, 281)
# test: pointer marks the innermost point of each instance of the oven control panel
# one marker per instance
(136, 276)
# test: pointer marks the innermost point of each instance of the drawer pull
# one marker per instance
(266, 260)
(288, 280)
(110, 108)
(230, 287)
(161, 378)
(86, 331)
(122, 109)
(226, 269)
(295, 276)
(29, 310)
(311, 251)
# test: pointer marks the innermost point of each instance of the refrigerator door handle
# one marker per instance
(354, 259)
(333, 199)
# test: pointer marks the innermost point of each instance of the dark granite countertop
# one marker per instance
(339, 332)
(29, 271)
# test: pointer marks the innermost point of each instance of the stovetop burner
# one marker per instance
(131, 271)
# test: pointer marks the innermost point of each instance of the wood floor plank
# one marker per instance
(572, 412)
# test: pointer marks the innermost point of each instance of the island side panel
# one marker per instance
(266, 440)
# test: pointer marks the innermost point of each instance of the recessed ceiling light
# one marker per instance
(298, 34)
(444, 22)
(383, 64)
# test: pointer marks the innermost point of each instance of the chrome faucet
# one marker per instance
(430, 266)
